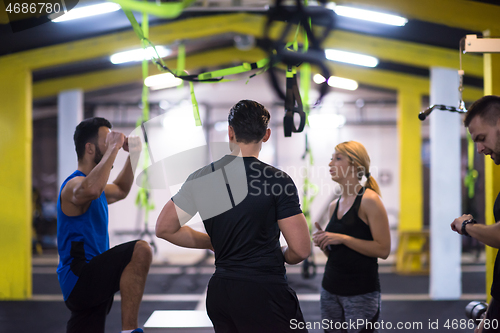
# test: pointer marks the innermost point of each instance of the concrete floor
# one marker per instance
(405, 299)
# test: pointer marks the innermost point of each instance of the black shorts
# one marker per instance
(492, 320)
(98, 281)
(237, 306)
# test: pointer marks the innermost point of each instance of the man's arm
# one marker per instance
(80, 191)
(121, 186)
(169, 228)
(486, 234)
(296, 233)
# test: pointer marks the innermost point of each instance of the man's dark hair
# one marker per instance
(487, 107)
(87, 131)
(249, 120)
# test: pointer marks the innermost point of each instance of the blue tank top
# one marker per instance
(80, 238)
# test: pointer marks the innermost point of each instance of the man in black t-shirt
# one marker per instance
(244, 204)
(483, 121)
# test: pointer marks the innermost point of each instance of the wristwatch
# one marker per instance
(464, 224)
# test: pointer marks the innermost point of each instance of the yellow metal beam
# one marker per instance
(410, 143)
(407, 53)
(222, 57)
(113, 77)
(396, 81)
(4, 19)
(102, 46)
(90, 81)
(469, 15)
(386, 49)
(15, 182)
(410, 180)
(492, 172)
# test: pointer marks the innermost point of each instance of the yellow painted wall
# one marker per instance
(410, 146)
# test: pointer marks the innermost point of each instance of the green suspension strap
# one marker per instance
(471, 176)
(310, 189)
(165, 10)
(181, 65)
(214, 76)
(144, 194)
(310, 192)
(181, 59)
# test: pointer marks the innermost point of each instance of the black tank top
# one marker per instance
(347, 272)
(495, 286)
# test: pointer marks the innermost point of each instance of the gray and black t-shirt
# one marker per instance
(240, 200)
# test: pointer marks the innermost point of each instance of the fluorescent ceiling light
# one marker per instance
(326, 120)
(351, 58)
(368, 15)
(162, 81)
(80, 12)
(342, 83)
(139, 55)
(318, 79)
(337, 82)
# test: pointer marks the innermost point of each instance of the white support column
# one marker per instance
(445, 189)
(69, 115)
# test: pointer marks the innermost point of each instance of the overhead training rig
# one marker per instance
(471, 44)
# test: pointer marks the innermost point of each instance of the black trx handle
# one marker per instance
(308, 269)
(293, 104)
(315, 55)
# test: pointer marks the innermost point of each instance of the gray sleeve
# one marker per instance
(184, 199)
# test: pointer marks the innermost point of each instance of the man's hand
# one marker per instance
(132, 144)
(456, 225)
(115, 139)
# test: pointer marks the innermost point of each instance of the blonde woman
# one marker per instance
(357, 234)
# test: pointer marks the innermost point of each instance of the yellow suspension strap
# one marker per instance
(144, 193)
(214, 76)
(181, 60)
(181, 64)
(472, 174)
(165, 10)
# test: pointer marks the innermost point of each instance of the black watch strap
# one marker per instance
(464, 224)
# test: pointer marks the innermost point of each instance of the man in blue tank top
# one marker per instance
(483, 121)
(89, 272)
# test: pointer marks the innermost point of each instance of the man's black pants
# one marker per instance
(98, 280)
(237, 306)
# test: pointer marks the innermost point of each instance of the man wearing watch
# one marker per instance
(483, 121)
